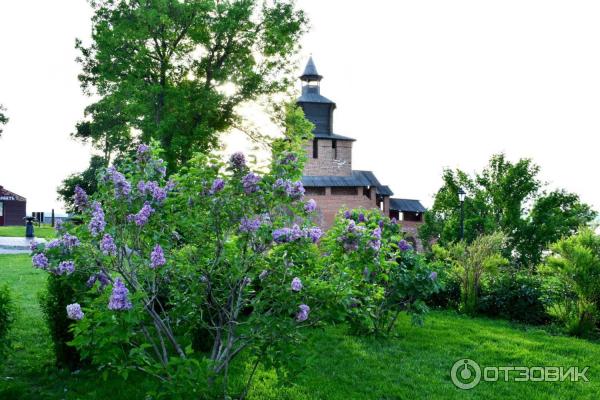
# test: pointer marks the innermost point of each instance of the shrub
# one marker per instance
(7, 317)
(59, 293)
(377, 273)
(219, 251)
(517, 296)
(575, 263)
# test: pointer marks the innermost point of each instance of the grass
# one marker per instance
(331, 364)
(44, 231)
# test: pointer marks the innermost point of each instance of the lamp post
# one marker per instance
(461, 198)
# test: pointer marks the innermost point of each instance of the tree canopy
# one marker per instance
(175, 70)
(510, 198)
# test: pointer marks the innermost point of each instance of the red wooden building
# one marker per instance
(12, 208)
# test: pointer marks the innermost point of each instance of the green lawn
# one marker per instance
(44, 231)
(331, 365)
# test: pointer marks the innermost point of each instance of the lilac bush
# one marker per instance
(378, 274)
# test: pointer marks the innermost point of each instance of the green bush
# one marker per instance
(61, 291)
(516, 296)
(7, 317)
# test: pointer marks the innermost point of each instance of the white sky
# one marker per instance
(421, 85)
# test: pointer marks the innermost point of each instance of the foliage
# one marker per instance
(3, 118)
(505, 197)
(576, 264)
(515, 295)
(220, 247)
(59, 293)
(87, 180)
(176, 70)
(378, 275)
(473, 263)
(7, 317)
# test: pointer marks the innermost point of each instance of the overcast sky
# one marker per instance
(421, 85)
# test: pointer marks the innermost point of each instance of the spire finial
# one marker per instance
(310, 71)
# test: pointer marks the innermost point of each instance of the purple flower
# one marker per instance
(170, 185)
(433, 275)
(347, 214)
(380, 223)
(53, 244)
(119, 297)
(314, 233)
(295, 190)
(80, 198)
(403, 245)
(141, 218)
(288, 158)
(70, 241)
(303, 313)
(285, 235)
(375, 242)
(97, 223)
(160, 168)
(121, 185)
(310, 206)
(65, 267)
(361, 217)
(250, 182)
(217, 185)
(377, 233)
(296, 284)
(74, 312)
(249, 225)
(107, 245)
(157, 257)
(394, 221)
(237, 160)
(143, 152)
(246, 281)
(33, 245)
(263, 274)
(40, 261)
(100, 277)
(59, 225)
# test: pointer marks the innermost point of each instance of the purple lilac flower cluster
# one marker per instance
(143, 153)
(296, 284)
(375, 242)
(70, 241)
(151, 187)
(97, 223)
(53, 244)
(80, 198)
(351, 236)
(74, 312)
(288, 158)
(250, 182)
(403, 245)
(249, 225)
(119, 298)
(122, 185)
(157, 257)
(141, 218)
(433, 275)
(237, 160)
(40, 261)
(65, 267)
(303, 313)
(217, 185)
(100, 277)
(310, 206)
(108, 246)
(295, 190)
(286, 235)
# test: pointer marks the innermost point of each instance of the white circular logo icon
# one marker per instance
(465, 374)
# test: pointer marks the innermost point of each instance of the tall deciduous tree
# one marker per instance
(175, 70)
(510, 198)
(3, 118)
